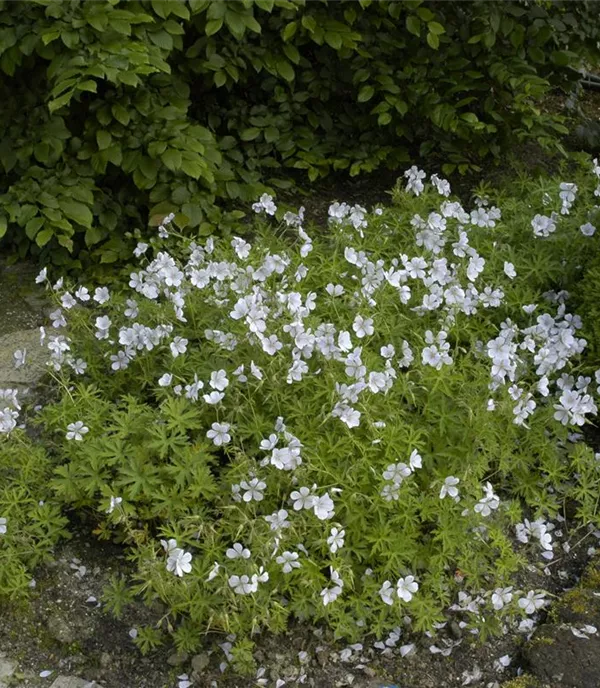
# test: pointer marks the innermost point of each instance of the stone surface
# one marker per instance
(556, 656)
(7, 668)
(66, 630)
(177, 658)
(36, 357)
(21, 301)
(74, 682)
(200, 662)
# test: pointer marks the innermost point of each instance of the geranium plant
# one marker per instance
(350, 426)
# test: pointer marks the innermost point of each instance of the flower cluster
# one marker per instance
(329, 408)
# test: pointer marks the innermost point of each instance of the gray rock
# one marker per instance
(74, 682)
(7, 669)
(21, 300)
(177, 658)
(67, 631)
(556, 656)
(36, 357)
(200, 662)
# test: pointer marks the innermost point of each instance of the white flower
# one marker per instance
(219, 433)
(387, 592)
(140, 249)
(79, 366)
(68, 301)
(334, 289)
(396, 472)
(509, 270)
(102, 327)
(238, 551)
(587, 229)
(101, 295)
(405, 587)
(8, 420)
(83, 294)
(178, 346)
(323, 507)
(169, 545)
(336, 540)
(329, 595)
(213, 572)
(543, 226)
(242, 585)
(532, 602)
(19, 357)
(76, 431)
(415, 461)
(501, 597)
(114, 502)
(41, 276)
(303, 499)
(2, 526)
(488, 503)
(449, 487)
(289, 561)
(179, 562)
(165, 380)
(241, 247)
(253, 490)
(265, 203)
(218, 380)
(213, 398)
(363, 326)
(278, 520)
(415, 176)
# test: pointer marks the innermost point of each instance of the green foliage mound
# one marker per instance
(348, 426)
(116, 113)
(31, 522)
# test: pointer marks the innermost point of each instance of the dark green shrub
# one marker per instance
(115, 113)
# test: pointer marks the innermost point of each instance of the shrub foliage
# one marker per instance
(116, 112)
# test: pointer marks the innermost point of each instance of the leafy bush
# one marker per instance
(340, 426)
(31, 522)
(118, 113)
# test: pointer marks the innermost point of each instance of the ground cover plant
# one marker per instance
(117, 112)
(352, 425)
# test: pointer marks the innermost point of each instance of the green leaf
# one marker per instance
(103, 138)
(333, 39)
(87, 85)
(44, 236)
(33, 226)
(78, 212)
(291, 52)
(121, 114)
(93, 235)
(162, 39)
(289, 31)
(212, 26)
(433, 41)
(3, 225)
(366, 93)
(250, 134)
(413, 24)
(285, 69)
(309, 23)
(234, 21)
(436, 28)
(172, 159)
(251, 23)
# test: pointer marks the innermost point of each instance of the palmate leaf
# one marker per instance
(138, 477)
